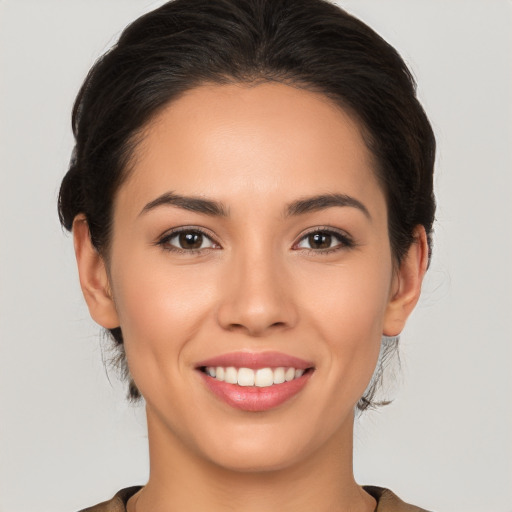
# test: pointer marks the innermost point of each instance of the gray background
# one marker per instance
(67, 437)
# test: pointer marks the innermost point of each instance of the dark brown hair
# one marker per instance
(311, 44)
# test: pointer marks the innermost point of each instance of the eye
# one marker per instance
(324, 240)
(187, 240)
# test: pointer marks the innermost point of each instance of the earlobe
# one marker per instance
(407, 285)
(93, 276)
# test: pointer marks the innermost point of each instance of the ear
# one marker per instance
(406, 285)
(93, 276)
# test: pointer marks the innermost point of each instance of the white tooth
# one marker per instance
(298, 373)
(279, 375)
(219, 373)
(230, 375)
(264, 377)
(289, 374)
(210, 371)
(245, 377)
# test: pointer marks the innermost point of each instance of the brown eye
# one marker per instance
(187, 240)
(191, 240)
(325, 241)
(320, 240)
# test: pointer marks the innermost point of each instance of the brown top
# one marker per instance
(386, 501)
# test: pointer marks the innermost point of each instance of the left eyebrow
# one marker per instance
(324, 201)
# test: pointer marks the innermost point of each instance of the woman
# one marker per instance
(251, 202)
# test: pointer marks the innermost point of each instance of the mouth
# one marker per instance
(255, 382)
(261, 377)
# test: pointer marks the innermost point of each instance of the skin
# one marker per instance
(256, 284)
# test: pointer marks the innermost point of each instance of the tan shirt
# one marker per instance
(386, 501)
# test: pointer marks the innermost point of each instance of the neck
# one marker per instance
(180, 479)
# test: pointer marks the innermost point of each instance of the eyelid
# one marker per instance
(163, 239)
(346, 241)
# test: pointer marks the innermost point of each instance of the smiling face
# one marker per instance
(252, 233)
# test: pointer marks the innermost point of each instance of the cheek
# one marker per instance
(349, 298)
(346, 307)
(160, 309)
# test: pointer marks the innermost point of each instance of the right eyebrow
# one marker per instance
(191, 203)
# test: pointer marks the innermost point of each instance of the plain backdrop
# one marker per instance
(68, 438)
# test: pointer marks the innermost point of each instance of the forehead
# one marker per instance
(229, 141)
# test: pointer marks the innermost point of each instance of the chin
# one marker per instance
(264, 460)
(267, 447)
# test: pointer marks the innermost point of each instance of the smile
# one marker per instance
(255, 382)
(262, 377)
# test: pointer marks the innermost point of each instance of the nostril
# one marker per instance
(255, 328)
(236, 327)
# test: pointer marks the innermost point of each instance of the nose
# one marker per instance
(257, 297)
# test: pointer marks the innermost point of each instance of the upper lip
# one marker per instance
(255, 360)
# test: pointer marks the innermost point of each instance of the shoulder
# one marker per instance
(387, 501)
(116, 504)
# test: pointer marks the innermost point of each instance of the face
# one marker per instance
(252, 233)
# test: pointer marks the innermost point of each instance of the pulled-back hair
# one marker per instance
(310, 44)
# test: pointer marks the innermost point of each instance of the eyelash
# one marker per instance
(164, 240)
(345, 241)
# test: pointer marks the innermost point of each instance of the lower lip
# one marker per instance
(252, 398)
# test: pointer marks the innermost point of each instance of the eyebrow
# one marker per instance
(324, 201)
(191, 203)
(217, 209)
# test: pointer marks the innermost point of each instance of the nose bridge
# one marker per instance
(256, 298)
